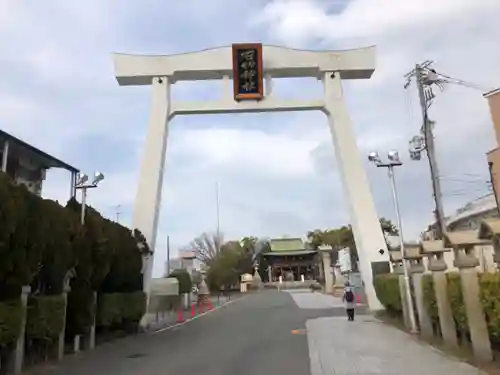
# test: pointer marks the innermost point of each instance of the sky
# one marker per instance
(277, 173)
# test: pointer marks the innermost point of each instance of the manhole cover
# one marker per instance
(136, 355)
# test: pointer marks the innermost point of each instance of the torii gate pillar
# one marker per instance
(331, 67)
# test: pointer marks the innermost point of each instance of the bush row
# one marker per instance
(43, 244)
(387, 289)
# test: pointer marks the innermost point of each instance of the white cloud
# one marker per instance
(306, 19)
(278, 174)
(278, 155)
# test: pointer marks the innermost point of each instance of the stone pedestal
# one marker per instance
(257, 280)
(467, 263)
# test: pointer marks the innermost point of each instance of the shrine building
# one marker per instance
(290, 258)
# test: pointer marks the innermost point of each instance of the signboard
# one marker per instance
(345, 260)
(247, 71)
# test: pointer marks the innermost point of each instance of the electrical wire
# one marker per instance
(448, 79)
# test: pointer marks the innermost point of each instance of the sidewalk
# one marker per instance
(368, 346)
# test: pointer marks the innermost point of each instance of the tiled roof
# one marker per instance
(476, 207)
(286, 244)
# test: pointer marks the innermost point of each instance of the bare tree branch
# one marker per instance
(207, 247)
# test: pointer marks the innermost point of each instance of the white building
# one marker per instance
(27, 165)
(468, 217)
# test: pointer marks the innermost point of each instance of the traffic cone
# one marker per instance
(209, 303)
(358, 298)
(180, 318)
(193, 310)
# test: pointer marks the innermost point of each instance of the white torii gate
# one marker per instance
(331, 67)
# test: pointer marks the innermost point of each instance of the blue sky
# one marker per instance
(277, 172)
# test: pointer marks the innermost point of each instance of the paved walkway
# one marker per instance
(262, 333)
(368, 346)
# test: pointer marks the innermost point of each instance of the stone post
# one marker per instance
(60, 340)
(438, 267)
(404, 302)
(91, 343)
(467, 263)
(417, 268)
(269, 274)
(327, 269)
(18, 354)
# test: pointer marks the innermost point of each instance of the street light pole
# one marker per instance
(395, 162)
(217, 208)
(81, 183)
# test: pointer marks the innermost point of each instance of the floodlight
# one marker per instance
(98, 177)
(373, 157)
(393, 156)
(82, 178)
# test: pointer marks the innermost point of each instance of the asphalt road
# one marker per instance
(251, 336)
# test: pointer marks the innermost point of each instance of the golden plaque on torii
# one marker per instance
(247, 71)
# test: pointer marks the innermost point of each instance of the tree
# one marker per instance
(222, 272)
(184, 278)
(388, 227)
(263, 247)
(206, 247)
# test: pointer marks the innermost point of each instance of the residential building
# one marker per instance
(467, 221)
(467, 217)
(27, 165)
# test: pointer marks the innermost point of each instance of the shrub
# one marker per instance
(116, 309)
(134, 306)
(388, 293)
(79, 312)
(456, 301)
(45, 317)
(430, 298)
(184, 279)
(10, 322)
(489, 288)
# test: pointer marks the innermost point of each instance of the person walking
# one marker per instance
(349, 300)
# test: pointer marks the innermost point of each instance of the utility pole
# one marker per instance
(168, 255)
(217, 209)
(118, 212)
(428, 142)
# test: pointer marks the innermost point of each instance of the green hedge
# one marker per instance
(10, 322)
(387, 289)
(45, 317)
(116, 309)
(430, 298)
(184, 278)
(489, 284)
(456, 301)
